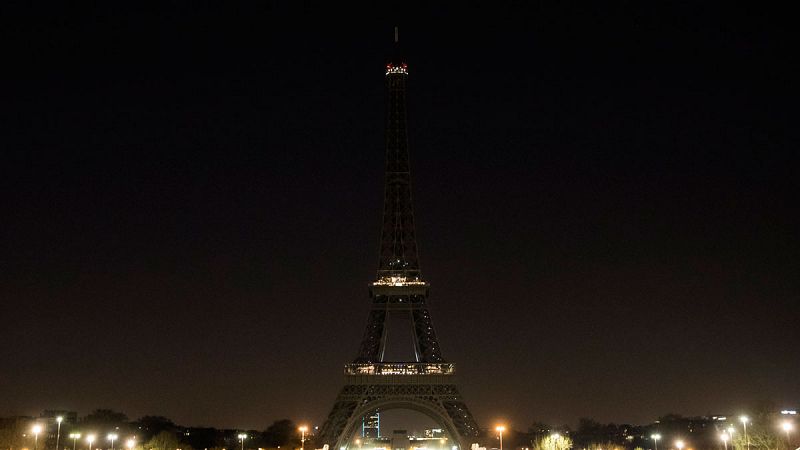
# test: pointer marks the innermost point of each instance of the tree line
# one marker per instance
(150, 432)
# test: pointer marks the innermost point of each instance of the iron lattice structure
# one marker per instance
(371, 383)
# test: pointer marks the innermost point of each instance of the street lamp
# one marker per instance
(130, 443)
(112, 437)
(242, 437)
(744, 421)
(679, 444)
(59, 419)
(303, 430)
(724, 437)
(36, 430)
(90, 439)
(655, 437)
(787, 427)
(74, 437)
(500, 429)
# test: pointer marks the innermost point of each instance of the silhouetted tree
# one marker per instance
(280, 433)
(589, 432)
(165, 440)
(538, 430)
(553, 442)
(104, 419)
(150, 426)
(207, 437)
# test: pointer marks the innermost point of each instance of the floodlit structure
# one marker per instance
(372, 382)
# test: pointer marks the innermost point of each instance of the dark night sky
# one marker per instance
(606, 205)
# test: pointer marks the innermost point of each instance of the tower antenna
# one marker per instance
(396, 34)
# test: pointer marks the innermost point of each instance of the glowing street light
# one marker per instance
(724, 437)
(130, 443)
(303, 430)
(500, 429)
(90, 439)
(787, 427)
(655, 437)
(112, 437)
(242, 437)
(36, 430)
(74, 437)
(59, 419)
(744, 420)
(679, 444)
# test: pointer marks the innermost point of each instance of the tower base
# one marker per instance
(436, 399)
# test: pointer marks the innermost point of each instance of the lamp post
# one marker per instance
(724, 437)
(679, 444)
(787, 427)
(242, 437)
(36, 430)
(655, 437)
(59, 419)
(500, 429)
(303, 430)
(74, 437)
(90, 439)
(130, 443)
(112, 437)
(744, 421)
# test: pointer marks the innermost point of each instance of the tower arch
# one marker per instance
(427, 407)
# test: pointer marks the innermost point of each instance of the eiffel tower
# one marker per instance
(424, 384)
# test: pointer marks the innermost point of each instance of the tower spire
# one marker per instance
(398, 260)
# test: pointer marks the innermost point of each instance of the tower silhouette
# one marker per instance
(372, 382)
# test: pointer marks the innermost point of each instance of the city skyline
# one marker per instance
(604, 204)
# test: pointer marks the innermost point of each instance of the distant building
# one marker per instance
(400, 440)
(15, 432)
(371, 426)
